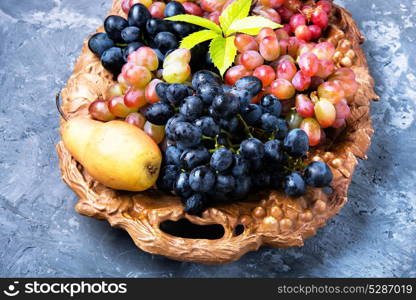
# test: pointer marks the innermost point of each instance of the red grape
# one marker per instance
(99, 111)
(296, 21)
(136, 119)
(272, 3)
(324, 50)
(135, 98)
(350, 86)
(286, 70)
(212, 5)
(304, 106)
(313, 130)
(266, 74)
(282, 89)
(339, 123)
(293, 5)
(301, 82)
(283, 46)
(309, 64)
(125, 6)
(214, 17)
(268, 13)
(325, 5)
(316, 82)
(281, 34)
(305, 48)
(192, 9)
(331, 91)
(307, 11)
(285, 14)
(235, 73)
(293, 46)
(325, 113)
(316, 31)
(157, 10)
(302, 32)
(343, 73)
(118, 108)
(150, 92)
(137, 76)
(269, 48)
(251, 59)
(343, 110)
(287, 28)
(157, 133)
(320, 17)
(326, 68)
(245, 42)
(265, 32)
(146, 57)
(237, 60)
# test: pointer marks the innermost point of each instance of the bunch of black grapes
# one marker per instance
(221, 147)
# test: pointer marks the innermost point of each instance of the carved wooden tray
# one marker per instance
(269, 218)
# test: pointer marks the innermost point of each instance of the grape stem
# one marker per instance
(246, 127)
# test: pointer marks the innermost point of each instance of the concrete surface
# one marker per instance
(42, 235)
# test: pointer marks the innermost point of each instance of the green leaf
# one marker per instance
(251, 25)
(196, 21)
(197, 37)
(222, 51)
(237, 10)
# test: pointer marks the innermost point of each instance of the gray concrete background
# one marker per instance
(42, 235)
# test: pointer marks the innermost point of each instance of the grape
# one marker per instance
(325, 5)
(131, 34)
(316, 32)
(252, 149)
(154, 26)
(293, 5)
(293, 46)
(175, 93)
(266, 74)
(309, 64)
(157, 9)
(325, 113)
(125, 5)
(283, 130)
(331, 91)
(118, 108)
(294, 120)
(312, 129)
(265, 32)
(225, 106)
(192, 158)
(296, 21)
(296, 143)
(304, 48)
(194, 205)
(320, 18)
(282, 89)
(272, 3)
(338, 123)
(343, 73)
(100, 42)
(208, 91)
(221, 159)
(214, 17)
(157, 133)
(204, 77)
(326, 67)
(136, 119)
(202, 179)
(342, 109)
(171, 125)
(212, 5)
(224, 184)
(303, 32)
(179, 55)
(286, 70)
(242, 187)
(208, 126)
(250, 83)
(315, 82)
(294, 185)
(146, 57)
(182, 187)
(138, 15)
(307, 11)
(281, 34)
(150, 92)
(230, 125)
(182, 29)
(192, 9)
(172, 155)
(165, 41)
(115, 90)
(269, 122)
(240, 166)
(135, 98)
(137, 76)
(233, 74)
(113, 26)
(271, 104)
(304, 106)
(176, 72)
(99, 111)
(252, 114)
(285, 14)
(273, 150)
(268, 13)
(159, 113)
(301, 82)
(112, 59)
(251, 59)
(269, 48)
(260, 180)
(123, 82)
(187, 134)
(318, 174)
(192, 108)
(324, 50)
(167, 178)
(350, 86)
(174, 8)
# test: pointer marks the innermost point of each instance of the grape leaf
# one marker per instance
(237, 10)
(251, 25)
(196, 21)
(198, 37)
(222, 51)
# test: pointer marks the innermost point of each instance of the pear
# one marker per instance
(117, 154)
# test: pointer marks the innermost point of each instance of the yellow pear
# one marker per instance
(117, 154)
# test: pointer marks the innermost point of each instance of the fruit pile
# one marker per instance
(225, 138)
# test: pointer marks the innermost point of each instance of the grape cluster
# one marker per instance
(145, 27)
(220, 146)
